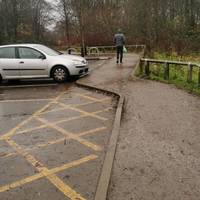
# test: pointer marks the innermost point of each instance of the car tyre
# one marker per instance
(60, 74)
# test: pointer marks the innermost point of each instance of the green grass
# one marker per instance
(178, 74)
(195, 58)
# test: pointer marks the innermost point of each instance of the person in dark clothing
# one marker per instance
(119, 40)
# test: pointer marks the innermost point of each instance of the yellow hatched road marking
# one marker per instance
(65, 189)
(51, 171)
(69, 119)
(57, 141)
(89, 114)
(74, 105)
(84, 93)
(93, 131)
(21, 182)
(104, 110)
(72, 164)
(55, 110)
(39, 166)
(8, 155)
(90, 98)
(60, 121)
(14, 130)
(45, 126)
(84, 112)
(43, 171)
(31, 129)
(70, 135)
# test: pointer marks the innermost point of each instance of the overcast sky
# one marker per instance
(54, 14)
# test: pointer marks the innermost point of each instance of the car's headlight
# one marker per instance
(84, 62)
(80, 62)
(76, 62)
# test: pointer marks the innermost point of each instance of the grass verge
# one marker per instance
(178, 74)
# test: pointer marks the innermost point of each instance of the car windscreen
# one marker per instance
(47, 50)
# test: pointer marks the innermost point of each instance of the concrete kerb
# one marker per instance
(104, 180)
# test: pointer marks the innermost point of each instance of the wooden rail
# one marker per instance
(166, 64)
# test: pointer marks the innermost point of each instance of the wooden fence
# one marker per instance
(145, 68)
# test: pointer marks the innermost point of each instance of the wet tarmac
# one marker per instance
(52, 141)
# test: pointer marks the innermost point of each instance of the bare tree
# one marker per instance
(168, 25)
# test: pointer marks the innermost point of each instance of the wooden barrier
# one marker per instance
(145, 62)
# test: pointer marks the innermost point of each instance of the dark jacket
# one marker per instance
(119, 39)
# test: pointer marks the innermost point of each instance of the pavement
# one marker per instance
(158, 151)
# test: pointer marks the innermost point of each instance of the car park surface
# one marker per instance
(53, 140)
(53, 170)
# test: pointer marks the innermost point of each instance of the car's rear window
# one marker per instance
(7, 52)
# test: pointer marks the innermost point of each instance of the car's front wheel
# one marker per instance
(60, 74)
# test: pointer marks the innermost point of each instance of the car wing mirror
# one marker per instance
(43, 57)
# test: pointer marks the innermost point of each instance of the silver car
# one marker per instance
(24, 61)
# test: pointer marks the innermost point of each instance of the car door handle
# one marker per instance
(21, 62)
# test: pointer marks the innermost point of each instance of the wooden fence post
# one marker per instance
(199, 76)
(189, 75)
(141, 66)
(166, 71)
(147, 71)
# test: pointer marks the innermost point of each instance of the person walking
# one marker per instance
(119, 40)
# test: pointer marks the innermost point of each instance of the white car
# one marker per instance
(24, 61)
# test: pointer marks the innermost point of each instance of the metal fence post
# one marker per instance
(166, 71)
(189, 75)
